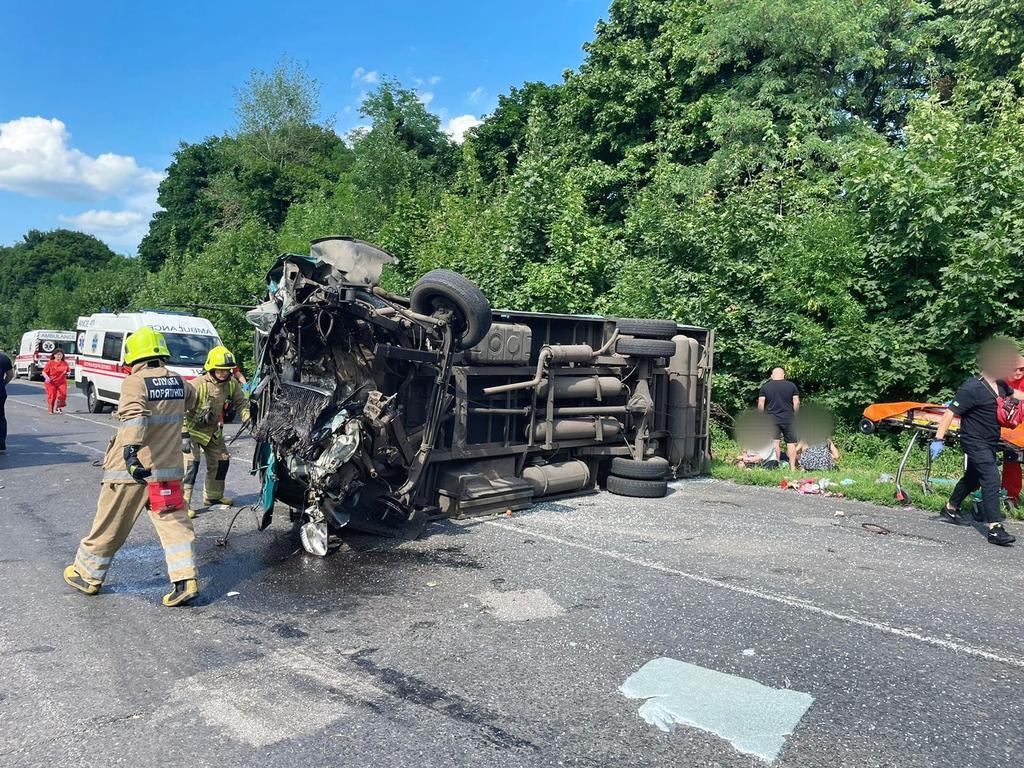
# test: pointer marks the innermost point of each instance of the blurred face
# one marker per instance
(1018, 368)
(58, 355)
(221, 375)
(813, 424)
(755, 430)
(999, 358)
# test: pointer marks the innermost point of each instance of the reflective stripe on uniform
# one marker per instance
(179, 552)
(93, 566)
(116, 475)
(179, 558)
(144, 421)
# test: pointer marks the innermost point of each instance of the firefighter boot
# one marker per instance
(74, 580)
(186, 492)
(213, 491)
(182, 592)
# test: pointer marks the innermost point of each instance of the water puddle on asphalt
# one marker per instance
(754, 718)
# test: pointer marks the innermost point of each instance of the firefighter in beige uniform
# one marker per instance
(213, 390)
(146, 449)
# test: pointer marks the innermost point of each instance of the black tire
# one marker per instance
(866, 426)
(34, 374)
(92, 400)
(653, 469)
(645, 347)
(647, 329)
(638, 489)
(442, 290)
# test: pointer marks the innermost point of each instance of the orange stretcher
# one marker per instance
(922, 420)
(924, 416)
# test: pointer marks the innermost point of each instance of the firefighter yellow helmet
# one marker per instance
(220, 359)
(145, 344)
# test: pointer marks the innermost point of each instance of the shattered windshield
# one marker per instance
(189, 351)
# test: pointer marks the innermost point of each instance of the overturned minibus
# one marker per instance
(377, 412)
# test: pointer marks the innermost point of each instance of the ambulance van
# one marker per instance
(36, 348)
(101, 369)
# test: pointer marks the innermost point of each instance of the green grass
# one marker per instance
(864, 459)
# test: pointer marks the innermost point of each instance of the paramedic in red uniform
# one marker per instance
(55, 374)
(1011, 463)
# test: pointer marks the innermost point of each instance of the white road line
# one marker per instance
(89, 447)
(772, 597)
(69, 415)
(107, 424)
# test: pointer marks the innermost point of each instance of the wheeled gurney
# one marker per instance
(921, 420)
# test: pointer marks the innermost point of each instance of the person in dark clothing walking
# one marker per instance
(6, 375)
(975, 404)
(780, 398)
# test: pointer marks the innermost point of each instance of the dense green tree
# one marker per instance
(43, 263)
(189, 212)
(501, 140)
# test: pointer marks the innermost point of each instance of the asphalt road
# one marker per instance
(500, 642)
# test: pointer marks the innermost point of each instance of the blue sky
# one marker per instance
(95, 97)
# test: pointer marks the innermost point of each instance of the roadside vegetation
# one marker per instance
(869, 461)
(835, 186)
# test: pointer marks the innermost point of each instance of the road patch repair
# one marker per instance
(520, 605)
(752, 717)
(248, 708)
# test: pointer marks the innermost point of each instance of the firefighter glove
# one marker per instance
(186, 442)
(131, 462)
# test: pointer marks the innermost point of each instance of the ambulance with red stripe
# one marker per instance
(101, 369)
(36, 348)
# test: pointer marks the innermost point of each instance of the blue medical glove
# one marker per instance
(936, 447)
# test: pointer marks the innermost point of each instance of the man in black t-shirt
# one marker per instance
(975, 404)
(6, 374)
(780, 399)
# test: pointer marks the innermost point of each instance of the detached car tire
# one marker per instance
(653, 469)
(648, 329)
(442, 290)
(866, 426)
(639, 489)
(645, 347)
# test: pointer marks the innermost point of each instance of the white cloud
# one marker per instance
(361, 75)
(426, 97)
(37, 160)
(434, 79)
(456, 127)
(476, 95)
(121, 229)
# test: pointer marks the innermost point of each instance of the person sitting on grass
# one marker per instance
(817, 457)
(975, 404)
(766, 457)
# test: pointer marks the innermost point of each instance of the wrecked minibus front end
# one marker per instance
(375, 412)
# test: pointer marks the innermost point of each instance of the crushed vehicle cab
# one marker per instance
(377, 412)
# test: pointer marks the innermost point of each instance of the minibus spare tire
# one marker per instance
(443, 292)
